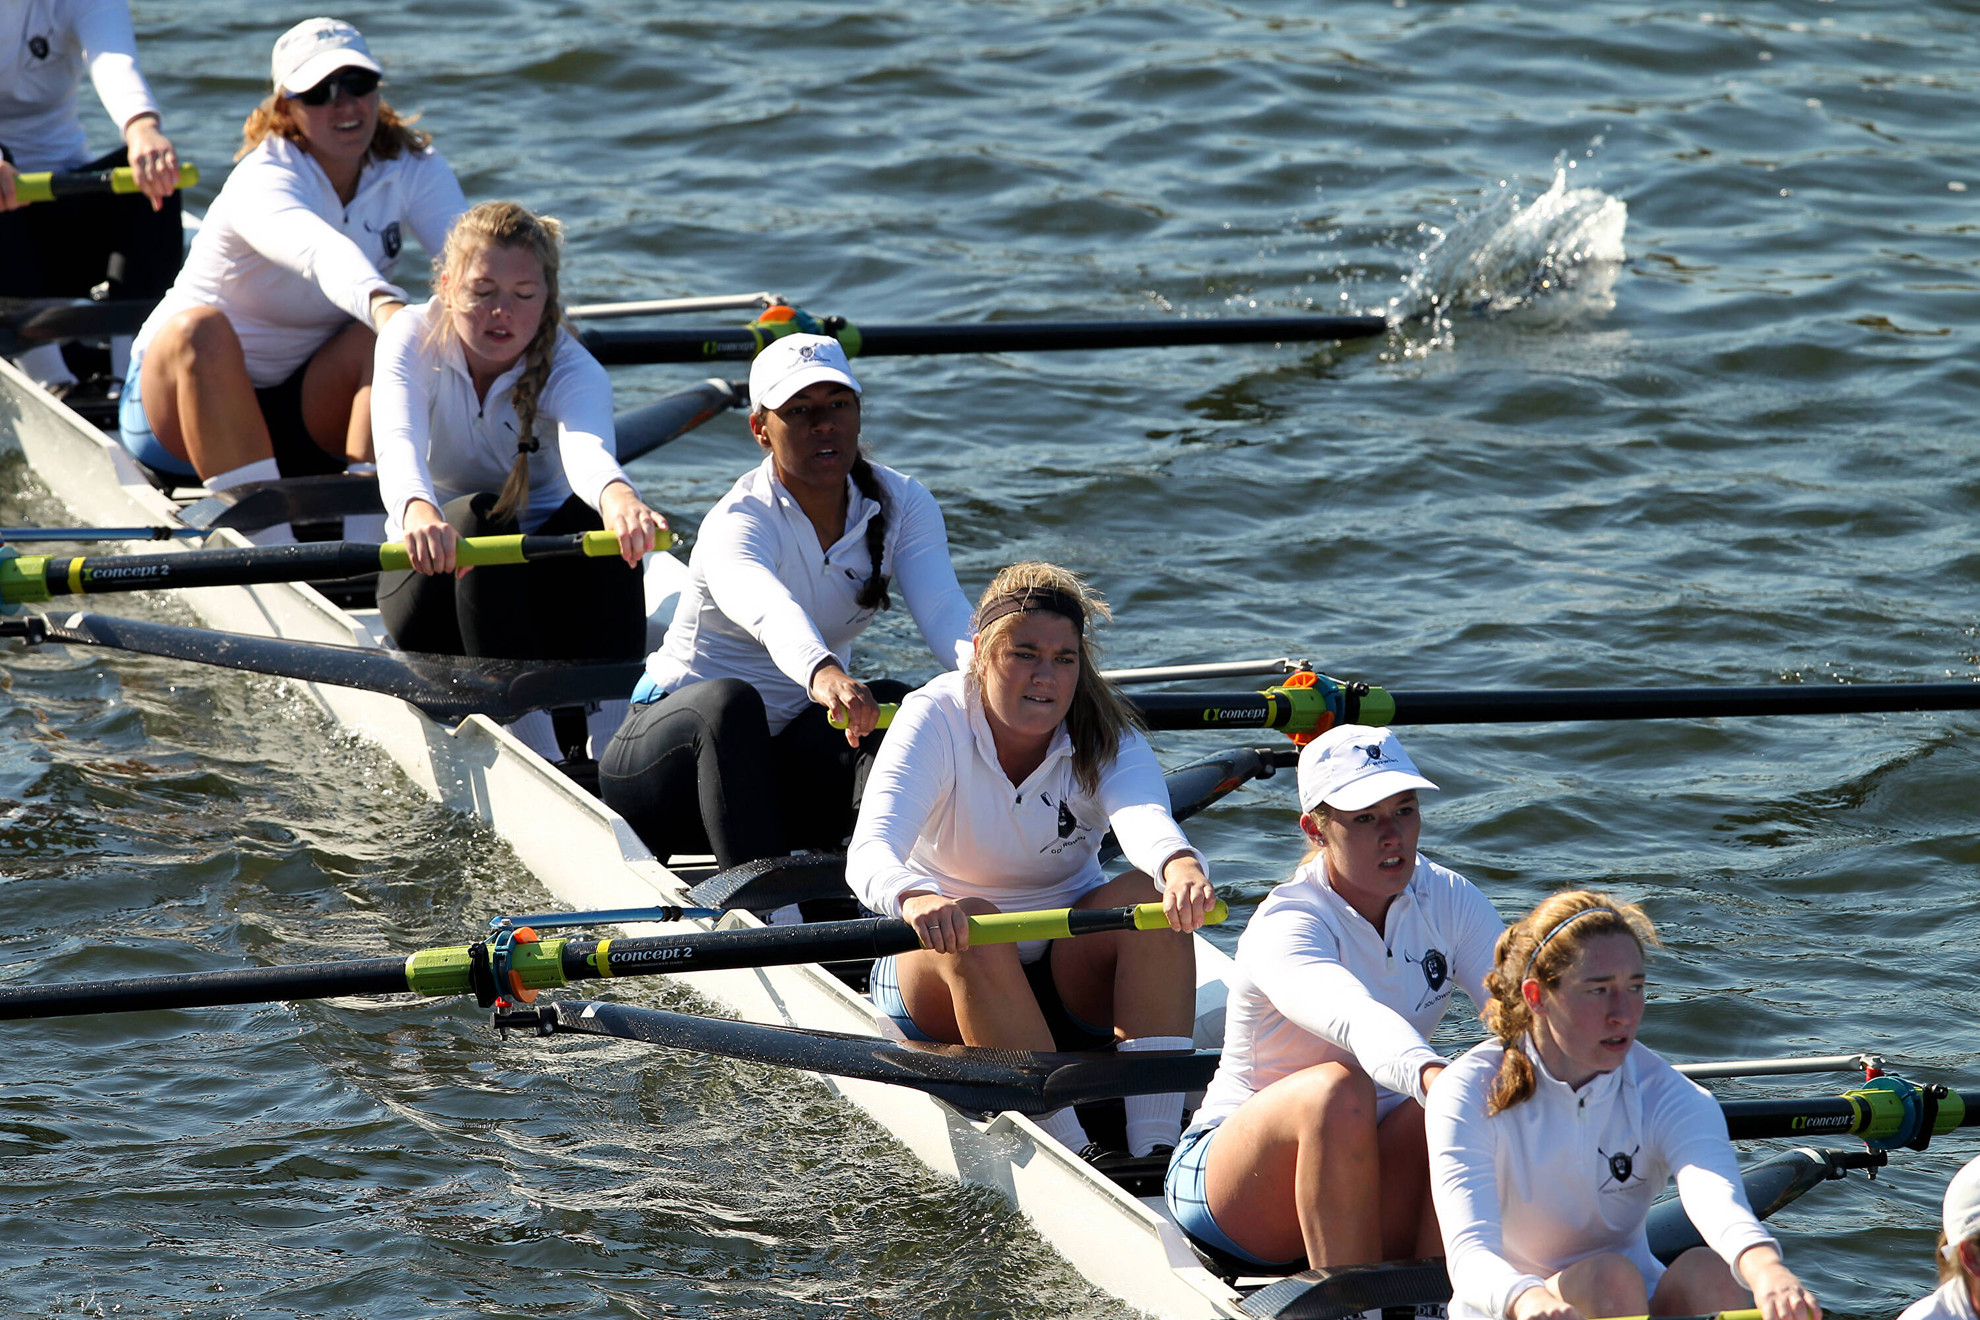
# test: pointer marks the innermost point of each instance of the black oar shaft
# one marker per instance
(626, 345)
(721, 950)
(96, 575)
(1696, 703)
(252, 985)
(1756, 1120)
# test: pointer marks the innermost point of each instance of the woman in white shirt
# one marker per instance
(258, 362)
(1549, 1143)
(729, 747)
(1308, 1146)
(66, 248)
(1958, 1294)
(992, 793)
(490, 419)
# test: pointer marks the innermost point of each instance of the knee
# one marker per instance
(1338, 1096)
(1610, 1276)
(197, 338)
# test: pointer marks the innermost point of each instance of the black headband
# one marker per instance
(1028, 599)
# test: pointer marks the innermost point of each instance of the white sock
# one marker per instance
(46, 366)
(536, 731)
(603, 722)
(1154, 1120)
(262, 469)
(1063, 1126)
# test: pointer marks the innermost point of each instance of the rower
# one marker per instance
(730, 747)
(258, 362)
(491, 419)
(992, 793)
(1308, 1147)
(70, 247)
(1958, 1294)
(1549, 1143)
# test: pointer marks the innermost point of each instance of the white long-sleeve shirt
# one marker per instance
(437, 441)
(1948, 1302)
(766, 604)
(290, 264)
(45, 48)
(940, 814)
(1316, 983)
(1570, 1173)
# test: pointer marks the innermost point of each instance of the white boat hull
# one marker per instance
(588, 857)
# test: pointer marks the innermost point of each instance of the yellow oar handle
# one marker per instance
(1749, 1314)
(887, 709)
(476, 551)
(45, 186)
(1065, 923)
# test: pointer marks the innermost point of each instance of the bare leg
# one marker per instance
(336, 394)
(1699, 1283)
(1602, 1285)
(1296, 1170)
(977, 997)
(1142, 981)
(1409, 1221)
(197, 395)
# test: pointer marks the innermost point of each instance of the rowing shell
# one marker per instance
(589, 858)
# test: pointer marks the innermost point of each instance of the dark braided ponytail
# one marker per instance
(873, 596)
(510, 225)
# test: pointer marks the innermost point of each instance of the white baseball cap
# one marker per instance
(1352, 766)
(314, 49)
(793, 362)
(1962, 1213)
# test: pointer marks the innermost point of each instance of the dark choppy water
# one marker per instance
(1756, 465)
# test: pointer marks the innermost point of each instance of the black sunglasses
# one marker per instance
(358, 82)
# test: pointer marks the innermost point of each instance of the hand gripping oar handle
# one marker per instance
(535, 965)
(30, 579)
(46, 186)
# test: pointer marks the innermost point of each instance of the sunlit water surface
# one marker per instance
(1681, 393)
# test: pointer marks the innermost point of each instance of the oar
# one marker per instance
(1303, 710)
(533, 965)
(1284, 664)
(39, 320)
(624, 346)
(46, 186)
(671, 306)
(972, 1078)
(1749, 1313)
(447, 688)
(29, 579)
(80, 535)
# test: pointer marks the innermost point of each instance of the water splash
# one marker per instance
(1559, 253)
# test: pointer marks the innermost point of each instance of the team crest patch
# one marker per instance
(1371, 752)
(38, 47)
(1436, 969)
(1622, 1164)
(392, 240)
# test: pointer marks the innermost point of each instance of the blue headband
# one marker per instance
(1535, 955)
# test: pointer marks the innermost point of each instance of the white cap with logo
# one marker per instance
(789, 364)
(314, 49)
(1962, 1210)
(1352, 766)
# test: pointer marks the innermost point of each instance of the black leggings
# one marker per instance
(64, 248)
(697, 771)
(553, 609)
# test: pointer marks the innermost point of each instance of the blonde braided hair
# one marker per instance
(511, 225)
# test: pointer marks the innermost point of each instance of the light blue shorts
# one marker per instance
(1189, 1201)
(134, 429)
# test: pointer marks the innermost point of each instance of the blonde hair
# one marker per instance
(393, 137)
(509, 225)
(1100, 715)
(1953, 1265)
(1541, 947)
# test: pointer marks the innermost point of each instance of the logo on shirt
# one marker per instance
(391, 239)
(1436, 969)
(38, 46)
(1622, 1165)
(1069, 825)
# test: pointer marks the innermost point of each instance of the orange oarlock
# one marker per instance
(523, 996)
(1306, 678)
